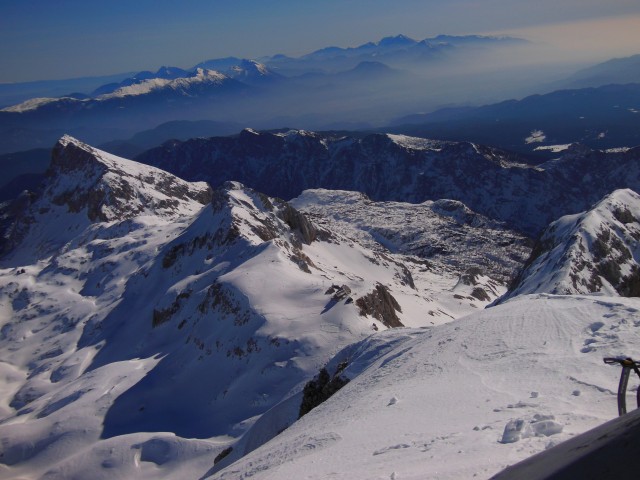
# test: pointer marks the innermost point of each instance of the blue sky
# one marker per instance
(49, 39)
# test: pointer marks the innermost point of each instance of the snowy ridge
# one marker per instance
(181, 85)
(448, 234)
(417, 143)
(595, 251)
(34, 104)
(167, 83)
(397, 168)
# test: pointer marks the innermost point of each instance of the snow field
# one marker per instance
(437, 404)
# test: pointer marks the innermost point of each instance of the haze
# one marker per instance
(44, 40)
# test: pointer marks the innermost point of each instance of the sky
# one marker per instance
(45, 39)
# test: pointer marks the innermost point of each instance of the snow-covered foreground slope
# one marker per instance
(460, 400)
(147, 322)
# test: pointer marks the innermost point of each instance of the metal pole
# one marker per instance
(622, 390)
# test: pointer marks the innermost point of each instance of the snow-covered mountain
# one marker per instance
(164, 72)
(188, 85)
(387, 167)
(184, 82)
(253, 73)
(446, 233)
(147, 322)
(153, 327)
(195, 83)
(165, 82)
(105, 189)
(595, 251)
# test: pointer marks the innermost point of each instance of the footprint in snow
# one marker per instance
(393, 401)
(392, 447)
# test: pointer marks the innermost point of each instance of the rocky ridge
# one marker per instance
(499, 185)
(444, 235)
(594, 251)
(99, 187)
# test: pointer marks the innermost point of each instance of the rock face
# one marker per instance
(395, 167)
(595, 251)
(94, 186)
(299, 223)
(381, 305)
(112, 188)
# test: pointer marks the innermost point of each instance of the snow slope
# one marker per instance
(146, 322)
(34, 103)
(595, 251)
(447, 233)
(461, 400)
(198, 79)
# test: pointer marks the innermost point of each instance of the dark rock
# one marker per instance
(381, 305)
(320, 389)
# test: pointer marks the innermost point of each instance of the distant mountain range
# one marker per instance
(128, 108)
(617, 70)
(337, 88)
(602, 117)
(14, 93)
(391, 167)
(165, 73)
(397, 51)
(331, 88)
(387, 167)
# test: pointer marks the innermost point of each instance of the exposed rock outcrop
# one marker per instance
(395, 167)
(596, 251)
(381, 305)
(299, 222)
(113, 188)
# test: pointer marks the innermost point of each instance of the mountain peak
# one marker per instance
(594, 251)
(251, 71)
(260, 218)
(398, 40)
(113, 188)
